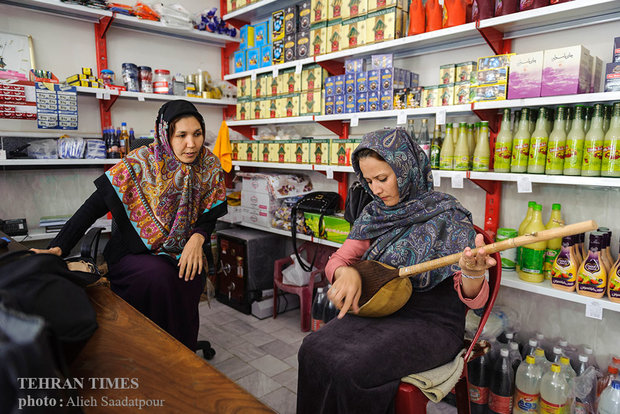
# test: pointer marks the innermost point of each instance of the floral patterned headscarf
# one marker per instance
(162, 196)
(424, 225)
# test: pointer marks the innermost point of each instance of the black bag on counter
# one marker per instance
(357, 198)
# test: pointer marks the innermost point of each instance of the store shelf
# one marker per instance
(42, 134)
(288, 233)
(396, 113)
(511, 279)
(140, 96)
(551, 100)
(56, 162)
(270, 121)
(290, 166)
(90, 14)
(546, 179)
(270, 69)
(248, 13)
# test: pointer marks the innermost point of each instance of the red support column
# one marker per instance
(493, 204)
(102, 63)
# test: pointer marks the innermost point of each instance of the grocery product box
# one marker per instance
(289, 81)
(290, 20)
(339, 104)
(244, 150)
(329, 105)
(341, 150)
(256, 200)
(239, 61)
(277, 25)
(495, 61)
(255, 183)
(612, 77)
(495, 92)
(265, 56)
(300, 151)
(616, 54)
(349, 83)
(335, 228)
(339, 85)
(430, 96)
(462, 91)
(261, 34)
(490, 76)
(374, 80)
(244, 87)
(362, 101)
(302, 44)
(253, 58)
(265, 108)
(242, 108)
(271, 84)
(382, 61)
(374, 101)
(310, 102)
(597, 74)
(447, 73)
(385, 24)
(334, 36)
(354, 65)
(235, 4)
(354, 8)
(354, 32)
(350, 103)
(259, 86)
(334, 10)
(304, 10)
(266, 153)
(383, 4)
(361, 82)
(387, 100)
(525, 75)
(445, 94)
(319, 151)
(414, 97)
(246, 35)
(566, 70)
(386, 81)
(290, 105)
(256, 109)
(312, 77)
(290, 50)
(273, 108)
(465, 71)
(400, 98)
(318, 38)
(330, 86)
(256, 217)
(277, 52)
(318, 11)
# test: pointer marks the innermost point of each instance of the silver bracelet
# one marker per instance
(472, 277)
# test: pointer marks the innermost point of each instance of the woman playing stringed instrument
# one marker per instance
(354, 364)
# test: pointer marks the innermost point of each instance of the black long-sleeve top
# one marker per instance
(119, 245)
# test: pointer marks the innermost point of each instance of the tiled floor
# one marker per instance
(259, 355)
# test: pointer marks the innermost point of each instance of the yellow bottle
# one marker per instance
(461, 152)
(446, 154)
(553, 245)
(533, 255)
(522, 226)
(613, 287)
(592, 278)
(482, 153)
(565, 267)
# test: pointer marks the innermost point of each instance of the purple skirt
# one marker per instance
(151, 284)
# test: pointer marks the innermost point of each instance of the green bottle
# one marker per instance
(503, 145)
(611, 152)
(607, 118)
(588, 118)
(557, 143)
(593, 144)
(573, 153)
(436, 148)
(521, 144)
(446, 155)
(538, 145)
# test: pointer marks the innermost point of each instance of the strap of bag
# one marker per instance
(294, 237)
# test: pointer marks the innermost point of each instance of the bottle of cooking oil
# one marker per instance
(532, 255)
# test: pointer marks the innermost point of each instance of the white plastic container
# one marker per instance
(161, 81)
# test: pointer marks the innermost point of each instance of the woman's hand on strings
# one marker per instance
(475, 264)
(346, 290)
(191, 261)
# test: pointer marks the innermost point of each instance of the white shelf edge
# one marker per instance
(269, 121)
(269, 69)
(27, 162)
(546, 179)
(511, 279)
(243, 11)
(288, 233)
(162, 97)
(550, 100)
(291, 166)
(41, 134)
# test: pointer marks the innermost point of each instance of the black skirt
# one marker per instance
(354, 364)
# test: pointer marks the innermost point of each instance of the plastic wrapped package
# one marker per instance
(281, 216)
(43, 149)
(95, 149)
(174, 15)
(296, 275)
(501, 319)
(71, 148)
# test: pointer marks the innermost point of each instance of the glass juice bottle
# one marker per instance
(482, 152)
(611, 152)
(461, 152)
(573, 152)
(557, 143)
(538, 146)
(593, 145)
(503, 145)
(521, 144)
(435, 148)
(446, 156)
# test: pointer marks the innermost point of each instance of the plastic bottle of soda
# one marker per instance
(317, 309)
(502, 385)
(553, 392)
(609, 403)
(479, 373)
(529, 348)
(514, 355)
(527, 382)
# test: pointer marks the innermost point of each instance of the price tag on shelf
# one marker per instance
(298, 68)
(401, 118)
(329, 173)
(457, 180)
(524, 185)
(355, 121)
(436, 179)
(237, 168)
(274, 72)
(594, 310)
(141, 98)
(440, 117)
(99, 95)
(253, 75)
(106, 95)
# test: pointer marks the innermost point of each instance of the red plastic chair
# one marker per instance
(409, 399)
(304, 292)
